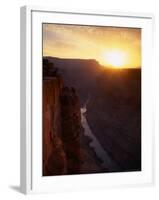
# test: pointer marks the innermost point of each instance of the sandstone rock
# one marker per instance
(61, 125)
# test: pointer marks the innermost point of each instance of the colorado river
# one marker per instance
(95, 144)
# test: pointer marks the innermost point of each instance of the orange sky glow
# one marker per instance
(110, 46)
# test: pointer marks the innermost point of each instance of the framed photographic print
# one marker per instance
(86, 100)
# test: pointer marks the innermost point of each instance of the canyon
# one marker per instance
(91, 117)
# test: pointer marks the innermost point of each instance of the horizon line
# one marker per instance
(106, 66)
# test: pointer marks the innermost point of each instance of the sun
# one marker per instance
(115, 58)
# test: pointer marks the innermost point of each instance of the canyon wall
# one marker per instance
(54, 158)
(114, 115)
(61, 125)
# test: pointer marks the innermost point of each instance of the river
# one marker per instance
(95, 145)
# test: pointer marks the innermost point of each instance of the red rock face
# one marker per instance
(54, 161)
(61, 128)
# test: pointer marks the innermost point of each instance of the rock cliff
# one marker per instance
(61, 125)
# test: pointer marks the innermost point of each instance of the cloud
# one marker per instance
(90, 41)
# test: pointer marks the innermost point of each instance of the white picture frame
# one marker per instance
(31, 100)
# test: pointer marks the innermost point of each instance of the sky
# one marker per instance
(110, 46)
